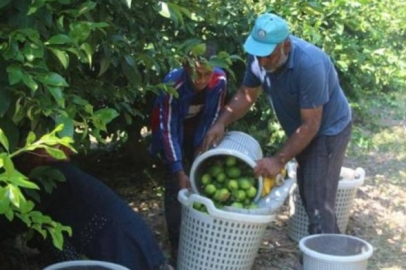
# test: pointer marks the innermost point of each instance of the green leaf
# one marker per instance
(62, 56)
(4, 140)
(32, 51)
(53, 79)
(79, 31)
(165, 12)
(15, 74)
(55, 153)
(29, 81)
(57, 236)
(68, 126)
(59, 40)
(56, 92)
(198, 49)
(104, 66)
(39, 229)
(13, 194)
(18, 179)
(4, 3)
(11, 131)
(87, 49)
(9, 214)
(35, 5)
(86, 7)
(8, 167)
(5, 100)
(30, 138)
(103, 116)
(128, 2)
(130, 60)
(4, 201)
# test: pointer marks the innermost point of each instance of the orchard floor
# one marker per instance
(378, 214)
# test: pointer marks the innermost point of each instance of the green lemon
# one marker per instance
(206, 179)
(251, 192)
(197, 206)
(210, 189)
(221, 177)
(232, 184)
(241, 196)
(237, 205)
(224, 195)
(247, 201)
(252, 206)
(215, 170)
(233, 172)
(231, 161)
(244, 183)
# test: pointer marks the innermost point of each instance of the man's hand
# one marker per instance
(183, 180)
(268, 167)
(213, 136)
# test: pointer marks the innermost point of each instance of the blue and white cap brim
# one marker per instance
(256, 48)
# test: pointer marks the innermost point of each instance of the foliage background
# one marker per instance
(95, 66)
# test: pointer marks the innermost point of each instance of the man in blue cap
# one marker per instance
(302, 86)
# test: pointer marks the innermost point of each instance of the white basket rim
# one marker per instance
(188, 201)
(62, 265)
(216, 152)
(359, 177)
(334, 258)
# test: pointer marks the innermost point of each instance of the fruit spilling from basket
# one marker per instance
(229, 181)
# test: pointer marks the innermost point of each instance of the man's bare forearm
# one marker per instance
(239, 105)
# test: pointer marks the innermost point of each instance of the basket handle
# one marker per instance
(189, 200)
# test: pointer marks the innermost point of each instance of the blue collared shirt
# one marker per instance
(308, 80)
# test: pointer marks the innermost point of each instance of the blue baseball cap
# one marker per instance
(269, 30)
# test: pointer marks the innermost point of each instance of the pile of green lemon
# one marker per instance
(227, 181)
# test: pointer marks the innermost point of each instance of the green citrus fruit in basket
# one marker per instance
(247, 202)
(252, 206)
(197, 206)
(231, 161)
(206, 179)
(232, 184)
(210, 189)
(251, 192)
(224, 195)
(244, 183)
(233, 172)
(240, 195)
(237, 205)
(215, 170)
(221, 177)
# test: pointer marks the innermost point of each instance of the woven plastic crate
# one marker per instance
(347, 189)
(217, 239)
(234, 143)
(334, 252)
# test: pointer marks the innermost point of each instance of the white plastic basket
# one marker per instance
(234, 143)
(347, 190)
(217, 239)
(334, 252)
(85, 264)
